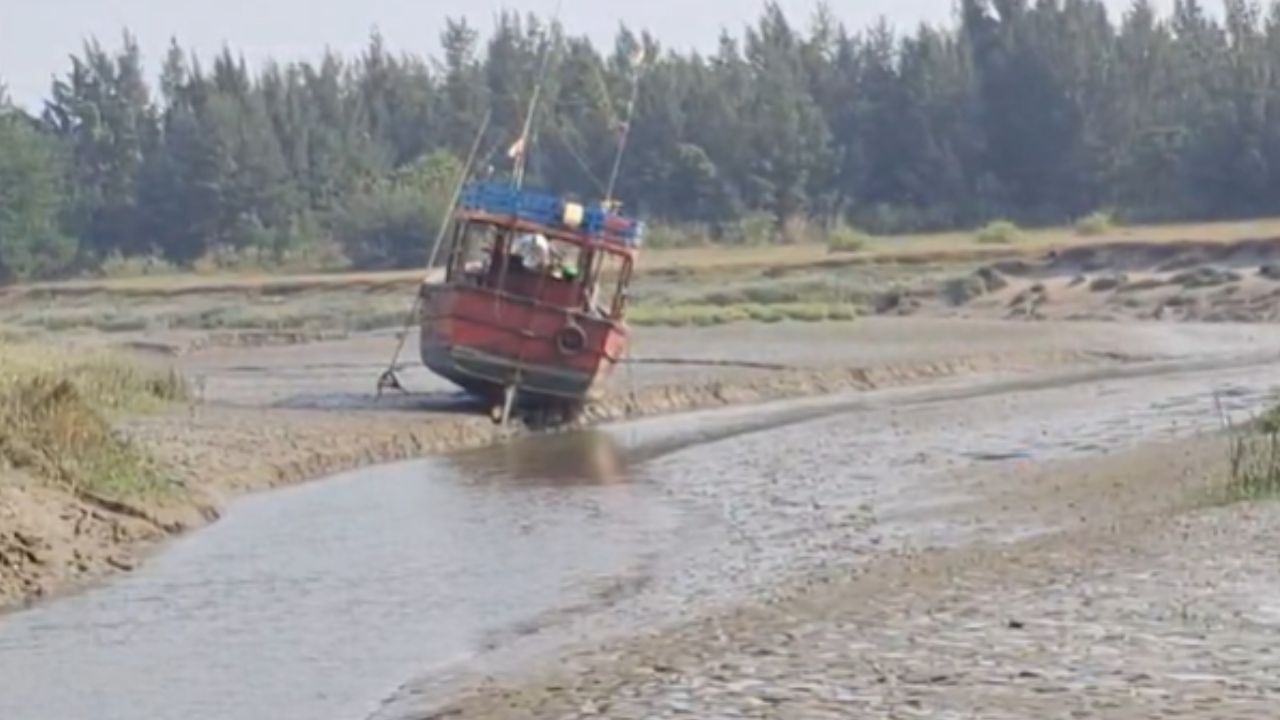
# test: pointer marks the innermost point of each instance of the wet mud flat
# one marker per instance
(886, 509)
(1147, 601)
(271, 416)
(379, 587)
(903, 561)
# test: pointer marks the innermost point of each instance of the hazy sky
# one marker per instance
(36, 36)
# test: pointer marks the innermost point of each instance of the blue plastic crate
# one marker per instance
(500, 199)
(546, 209)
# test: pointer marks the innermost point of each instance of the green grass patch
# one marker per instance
(117, 266)
(55, 410)
(318, 311)
(1095, 224)
(1000, 232)
(702, 315)
(1254, 457)
(827, 289)
(318, 256)
(846, 239)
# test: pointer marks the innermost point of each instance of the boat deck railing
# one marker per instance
(540, 208)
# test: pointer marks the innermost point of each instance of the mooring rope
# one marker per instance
(708, 363)
(388, 378)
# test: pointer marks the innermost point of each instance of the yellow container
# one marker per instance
(573, 215)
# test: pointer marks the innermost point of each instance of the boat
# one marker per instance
(529, 312)
(529, 315)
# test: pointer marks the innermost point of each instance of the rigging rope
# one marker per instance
(388, 379)
(582, 163)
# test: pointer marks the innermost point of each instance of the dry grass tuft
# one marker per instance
(55, 420)
(1254, 457)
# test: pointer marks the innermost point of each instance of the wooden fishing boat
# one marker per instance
(530, 312)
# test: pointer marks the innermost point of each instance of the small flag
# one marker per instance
(517, 149)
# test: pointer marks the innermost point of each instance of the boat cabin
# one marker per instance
(519, 261)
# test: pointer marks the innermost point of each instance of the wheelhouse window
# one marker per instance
(475, 247)
(531, 267)
(609, 282)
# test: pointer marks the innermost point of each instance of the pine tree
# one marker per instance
(32, 242)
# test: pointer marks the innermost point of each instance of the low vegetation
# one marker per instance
(1000, 232)
(1095, 224)
(1254, 455)
(314, 311)
(116, 265)
(704, 315)
(55, 420)
(847, 239)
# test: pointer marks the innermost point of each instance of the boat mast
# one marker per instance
(637, 66)
(520, 151)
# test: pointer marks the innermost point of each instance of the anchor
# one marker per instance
(390, 381)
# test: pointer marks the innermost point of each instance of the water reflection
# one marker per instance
(587, 457)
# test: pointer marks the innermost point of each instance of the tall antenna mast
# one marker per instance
(637, 67)
(521, 149)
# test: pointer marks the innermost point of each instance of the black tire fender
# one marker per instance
(571, 340)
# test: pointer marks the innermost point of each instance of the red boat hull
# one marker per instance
(486, 341)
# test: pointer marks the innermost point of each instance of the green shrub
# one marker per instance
(807, 312)
(119, 266)
(764, 313)
(757, 228)
(1094, 224)
(318, 256)
(846, 239)
(843, 313)
(392, 221)
(1000, 232)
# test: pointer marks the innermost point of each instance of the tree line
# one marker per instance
(1038, 111)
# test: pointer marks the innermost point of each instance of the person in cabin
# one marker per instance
(533, 251)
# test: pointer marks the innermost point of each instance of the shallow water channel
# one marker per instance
(351, 597)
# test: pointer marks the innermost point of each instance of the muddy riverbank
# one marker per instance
(265, 419)
(268, 416)
(382, 585)
(995, 546)
(1146, 601)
